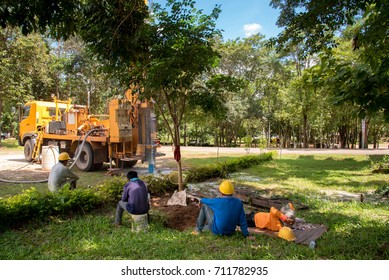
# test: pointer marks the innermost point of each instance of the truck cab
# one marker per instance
(35, 115)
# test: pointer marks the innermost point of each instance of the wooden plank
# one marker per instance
(264, 202)
(257, 201)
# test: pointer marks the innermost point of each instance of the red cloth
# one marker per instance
(177, 153)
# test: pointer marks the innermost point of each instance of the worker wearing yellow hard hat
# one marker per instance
(60, 174)
(63, 157)
(222, 214)
(274, 220)
(226, 187)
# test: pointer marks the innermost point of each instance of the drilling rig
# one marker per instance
(122, 137)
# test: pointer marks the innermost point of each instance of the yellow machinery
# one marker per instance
(124, 136)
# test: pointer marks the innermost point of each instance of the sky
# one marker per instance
(240, 19)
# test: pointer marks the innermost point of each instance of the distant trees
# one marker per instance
(329, 74)
(30, 68)
(35, 67)
(23, 72)
(314, 23)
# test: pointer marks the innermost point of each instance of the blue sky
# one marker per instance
(241, 18)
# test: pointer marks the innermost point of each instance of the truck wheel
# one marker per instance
(85, 160)
(28, 149)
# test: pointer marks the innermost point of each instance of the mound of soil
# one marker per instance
(178, 217)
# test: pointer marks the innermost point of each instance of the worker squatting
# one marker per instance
(142, 271)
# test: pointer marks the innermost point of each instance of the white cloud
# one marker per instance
(251, 29)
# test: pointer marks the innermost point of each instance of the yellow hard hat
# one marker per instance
(226, 187)
(63, 156)
(286, 233)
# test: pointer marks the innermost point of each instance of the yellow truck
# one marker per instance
(122, 137)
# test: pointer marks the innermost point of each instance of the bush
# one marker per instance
(159, 184)
(32, 205)
(222, 170)
(111, 190)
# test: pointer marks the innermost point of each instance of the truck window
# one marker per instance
(51, 111)
(26, 112)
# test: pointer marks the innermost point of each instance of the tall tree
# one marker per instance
(181, 51)
(24, 71)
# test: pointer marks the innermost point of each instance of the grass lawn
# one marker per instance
(356, 230)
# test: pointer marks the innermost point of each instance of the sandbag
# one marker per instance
(178, 198)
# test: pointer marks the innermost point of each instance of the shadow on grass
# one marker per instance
(324, 172)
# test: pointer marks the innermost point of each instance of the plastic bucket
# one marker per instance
(139, 222)
(49, 157)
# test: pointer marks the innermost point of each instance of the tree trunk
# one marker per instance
(305, 131)
(180, 181)
(177, 155)
(185, 135)
(1, 108)
(343, 136)
(365, 138)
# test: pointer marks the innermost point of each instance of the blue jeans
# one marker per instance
(119, 211)
(120, 208)
(205, 218)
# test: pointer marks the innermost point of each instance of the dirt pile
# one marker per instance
(178, 217)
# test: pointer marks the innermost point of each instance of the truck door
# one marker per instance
(27, 124)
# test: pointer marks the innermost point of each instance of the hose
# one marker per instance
(45, 180)
(79, 148)
(23, 182)
(28, 182)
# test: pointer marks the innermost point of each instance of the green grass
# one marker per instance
(9, 144)
(316, 173)
(355, 230)
(93, 237)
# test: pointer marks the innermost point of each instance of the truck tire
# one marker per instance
(85, 160)
(29, 149)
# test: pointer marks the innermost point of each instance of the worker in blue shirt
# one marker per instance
(221, 215)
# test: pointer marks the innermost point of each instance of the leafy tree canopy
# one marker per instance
(314, 22)
(36, 15)
(110, 28)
